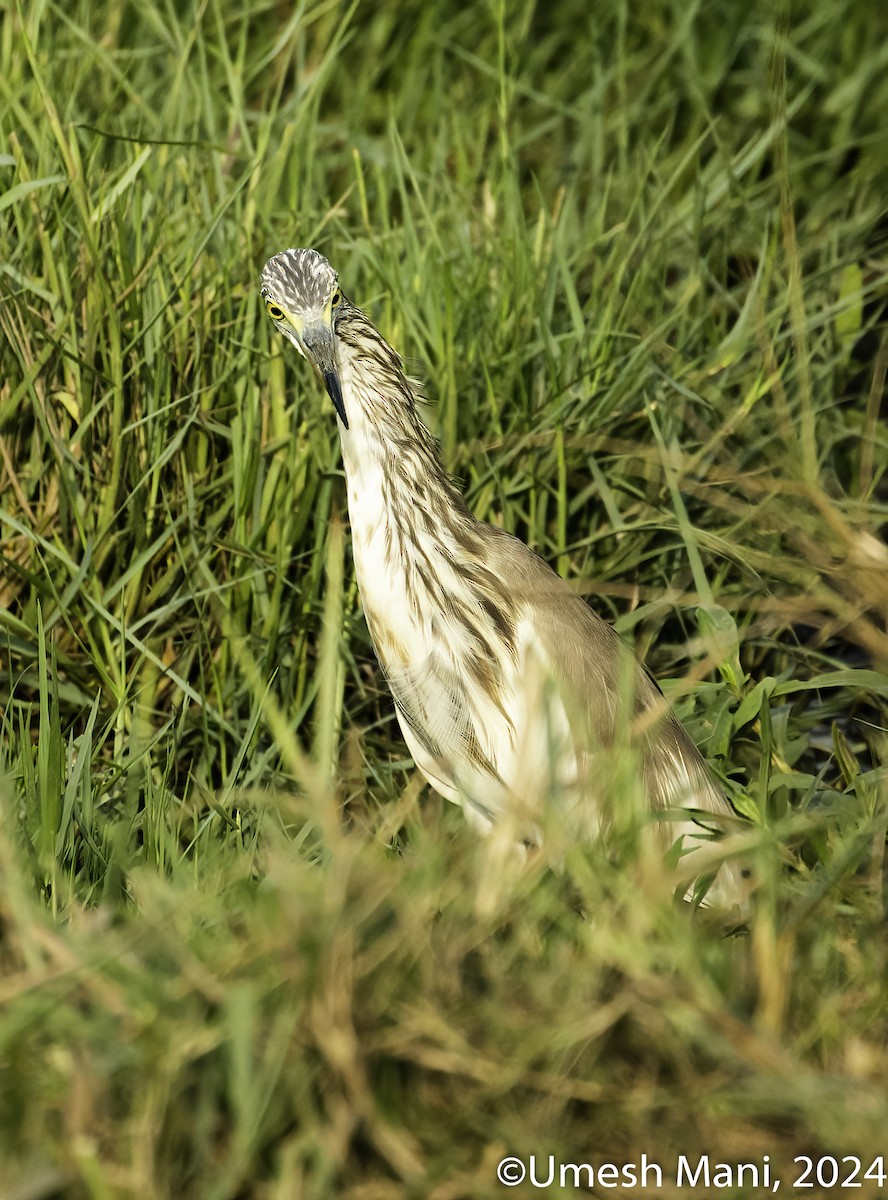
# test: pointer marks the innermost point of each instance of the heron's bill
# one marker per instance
(334, 390)
(319, 348)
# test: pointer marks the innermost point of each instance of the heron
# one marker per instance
(510, 690)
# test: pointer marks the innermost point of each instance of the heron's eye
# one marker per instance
(335, 298)
(276, 313)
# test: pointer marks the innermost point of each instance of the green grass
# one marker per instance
(638, 254)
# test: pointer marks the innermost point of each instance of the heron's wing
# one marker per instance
(430, 697)
(439, 723)
(605, 688)
(504, 753)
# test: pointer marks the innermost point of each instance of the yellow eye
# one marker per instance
(335, 298)
(276, 313)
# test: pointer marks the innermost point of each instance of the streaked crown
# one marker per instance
(300, 281)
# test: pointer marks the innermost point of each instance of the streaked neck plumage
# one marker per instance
(398, 488)
(435, 610)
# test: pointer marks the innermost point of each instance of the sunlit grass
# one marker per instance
(638, 257)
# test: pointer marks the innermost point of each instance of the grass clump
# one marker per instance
(639, 257)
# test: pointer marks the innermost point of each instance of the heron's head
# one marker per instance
(301, 294)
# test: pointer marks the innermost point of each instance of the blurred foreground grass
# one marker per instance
(640, 259)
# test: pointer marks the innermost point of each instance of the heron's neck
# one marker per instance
(387, 450)
(419, 554)
(410, 525)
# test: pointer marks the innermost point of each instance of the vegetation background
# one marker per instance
(639, 254)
